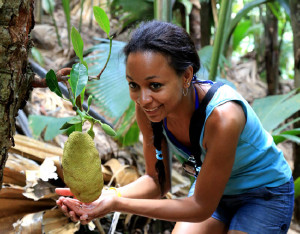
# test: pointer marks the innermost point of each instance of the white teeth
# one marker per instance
(151, 109)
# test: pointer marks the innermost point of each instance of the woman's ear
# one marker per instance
(188, 76)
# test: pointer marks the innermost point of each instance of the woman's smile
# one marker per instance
(152, 83)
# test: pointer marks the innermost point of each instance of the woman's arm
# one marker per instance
(222, 132)
(147, 186)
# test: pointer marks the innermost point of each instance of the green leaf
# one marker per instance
(85, 64)
(82, 95)
(102, 19)
(274, 109)
(187, 4)
(240, 32)
(75, 120)
(132, 135)
(126, 120)
(78, 79)
(77, 43)
(65, 126)
(52, 125)
(37, 56)
(242, 13)
(70, 129)
(52, 83)
(91, 133)
(89, 101)
(297, 187)
(283, 137)
(48, 6)
(110, 93)
(66, 6)
(78, 127)
(286, 6)
(284, 126)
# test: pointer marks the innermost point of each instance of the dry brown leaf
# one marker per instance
(37, 151)
(180, 184)
(121, 174)
(48, 221)
(40, 190)
(15, 168)
(13, 201)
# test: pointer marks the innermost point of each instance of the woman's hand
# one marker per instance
(85, 212)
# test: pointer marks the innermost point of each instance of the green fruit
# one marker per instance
(108, 130)
(90, 100)
(91, 133)
(82, 167)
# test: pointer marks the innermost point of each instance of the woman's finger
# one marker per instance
(73, 216)
(65, 210)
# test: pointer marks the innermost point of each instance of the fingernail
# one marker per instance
(84, 217)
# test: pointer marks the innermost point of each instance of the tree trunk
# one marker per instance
(271, 52)
(205, 23)
(295, 18)
(16, 22)
(195, 26)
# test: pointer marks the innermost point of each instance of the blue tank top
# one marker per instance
(258, 161)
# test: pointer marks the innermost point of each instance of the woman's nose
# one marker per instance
(145, 97)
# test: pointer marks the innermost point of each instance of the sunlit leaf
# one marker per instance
(242, 13)
(292, 135)
(66, 7)
(48, 5)
(77, 43)
(78, 79)
(102, 19)
(240, 32)
(297, 187)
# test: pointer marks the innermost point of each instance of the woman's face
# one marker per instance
(153, 84)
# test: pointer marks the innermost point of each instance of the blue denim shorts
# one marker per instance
(261, 210)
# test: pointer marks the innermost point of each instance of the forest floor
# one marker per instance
(122, 165)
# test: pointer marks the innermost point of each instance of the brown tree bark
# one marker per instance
(195, 24)
(295, 19)
(206, 20)
(16, 22)
(271, 52)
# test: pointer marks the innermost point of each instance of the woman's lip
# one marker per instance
(153, 109)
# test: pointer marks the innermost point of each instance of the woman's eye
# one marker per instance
(155, 86)
(132, 85)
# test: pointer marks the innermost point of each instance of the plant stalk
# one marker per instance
(218, 43)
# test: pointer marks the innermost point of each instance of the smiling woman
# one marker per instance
(242, 182)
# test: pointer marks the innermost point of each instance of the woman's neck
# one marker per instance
(182, 116)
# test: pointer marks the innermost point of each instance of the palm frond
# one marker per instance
(111, 92)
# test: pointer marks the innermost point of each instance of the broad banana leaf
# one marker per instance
(274, 110)
(38, 123)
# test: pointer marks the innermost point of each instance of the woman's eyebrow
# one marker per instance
(147, 78)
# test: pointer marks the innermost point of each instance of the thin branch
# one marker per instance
(39, 82)
(110, 44)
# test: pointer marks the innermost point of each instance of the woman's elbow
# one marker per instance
(201, 211)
